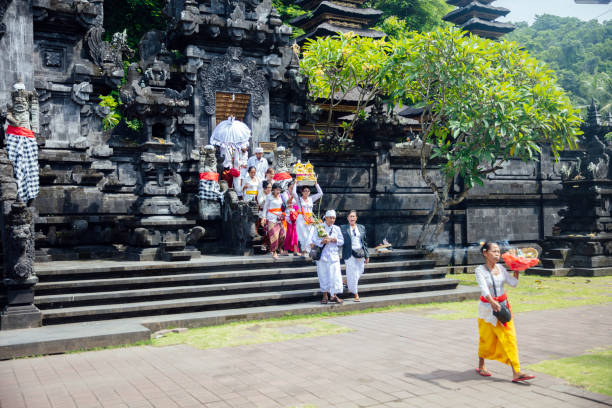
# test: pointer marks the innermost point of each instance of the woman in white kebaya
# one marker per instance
(274, 216)
(304, 222)
(250, 185)
(356, 254)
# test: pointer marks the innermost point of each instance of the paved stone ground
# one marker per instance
(398, 359)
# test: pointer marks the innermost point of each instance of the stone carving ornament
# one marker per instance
(3, 6)
(20, 265)
(233, 73)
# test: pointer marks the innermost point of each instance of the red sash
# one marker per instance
(499, 299)
(19, 131)
(209, 175)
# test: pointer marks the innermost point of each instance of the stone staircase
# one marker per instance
(79, 291)
(552, 263)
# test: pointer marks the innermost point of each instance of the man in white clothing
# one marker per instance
(259, 162)
(329, 264)
(240, 162)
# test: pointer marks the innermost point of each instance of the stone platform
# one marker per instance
(88, 304)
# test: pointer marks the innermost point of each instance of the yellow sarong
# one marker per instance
(498, 343)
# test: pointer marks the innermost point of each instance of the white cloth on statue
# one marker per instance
(261, 165)
(23, 153)
(305, 206)
(252, 187)
(354, 270)
(228, 155)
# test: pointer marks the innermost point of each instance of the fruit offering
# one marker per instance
(520, 259)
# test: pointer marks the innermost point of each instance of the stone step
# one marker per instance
(209, 263)
(558, 253)
(552, 263)
(75, 299)
(176, 256)
(173, 245)
(62, 338)
(541, 271)
(141, 278)
(99, 312)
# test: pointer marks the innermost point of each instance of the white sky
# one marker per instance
(526, 10)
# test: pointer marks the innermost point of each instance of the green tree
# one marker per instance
(486, 102)
(339, 67)
(418, 15)
(580, 52)
(135, 16)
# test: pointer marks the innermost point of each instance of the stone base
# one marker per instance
(20, 317)
(143, 254)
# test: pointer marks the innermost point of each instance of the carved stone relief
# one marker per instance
(233, 73)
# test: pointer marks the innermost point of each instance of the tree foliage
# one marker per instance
(486, 102)
(417, 15)
(580, 53)
(341, 67)
(135, 16)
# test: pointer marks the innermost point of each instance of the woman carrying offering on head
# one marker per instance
(292, 211)
(356, 254)
(273, 221)
(497, 340)
(304, 220)
(250, 185)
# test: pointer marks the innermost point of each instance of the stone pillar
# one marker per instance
(17, 47)
(18, 246)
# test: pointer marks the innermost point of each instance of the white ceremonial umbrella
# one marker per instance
(231, 133)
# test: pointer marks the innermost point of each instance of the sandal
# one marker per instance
(336, 299)
(484, 373)
(357, 299)
(523, 377)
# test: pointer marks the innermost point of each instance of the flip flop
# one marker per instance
(523, 378)
(483, 373)
(324, 301)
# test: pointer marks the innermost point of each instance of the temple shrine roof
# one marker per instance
(326, 29)
(475, 10)
(478, 17)
(328, 12)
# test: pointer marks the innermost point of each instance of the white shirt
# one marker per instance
(240, 160)
(485, 282)
(330, 252)
(261, 200)
(271, 203)
(252, 186)
(261, 165)
(307, 204)
(355, 237)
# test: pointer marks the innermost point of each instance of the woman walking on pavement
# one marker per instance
(356, 254)
(497, 340)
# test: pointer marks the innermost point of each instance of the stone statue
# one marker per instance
(20, 263)
(210, 194)
(23, 125)
(283, 162)
(239, 224)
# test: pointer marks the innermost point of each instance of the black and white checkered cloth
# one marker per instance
(210, 190)
(23, 152)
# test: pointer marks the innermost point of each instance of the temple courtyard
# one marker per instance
(421, 356)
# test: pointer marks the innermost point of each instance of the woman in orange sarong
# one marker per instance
(274, 216)
(497, 340)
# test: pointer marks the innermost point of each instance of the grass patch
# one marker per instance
(240, 334)
(591, 371)
(532, 293)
